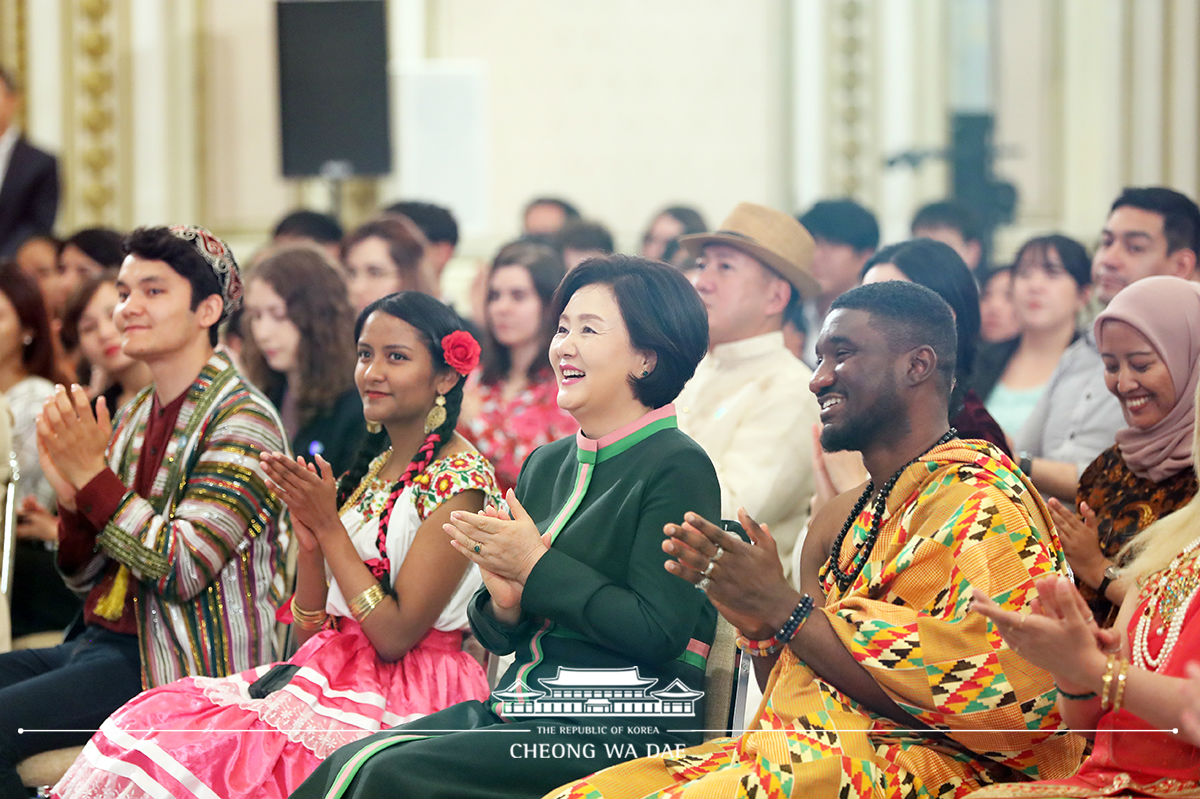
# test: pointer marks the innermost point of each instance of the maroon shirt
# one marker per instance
(973, 421)
(98, 501)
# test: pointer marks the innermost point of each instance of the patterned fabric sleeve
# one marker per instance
(452, 475)
(911, 629)
(224, 502)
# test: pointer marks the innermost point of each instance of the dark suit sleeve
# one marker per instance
(28, 196)
(43, 195)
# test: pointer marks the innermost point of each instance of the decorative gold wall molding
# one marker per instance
(91, 129)
(14, 44)
(851, 81)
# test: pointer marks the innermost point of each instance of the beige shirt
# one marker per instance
(750, 408)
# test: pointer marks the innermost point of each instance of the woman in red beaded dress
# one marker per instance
(1121, 686)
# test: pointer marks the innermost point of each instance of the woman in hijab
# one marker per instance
(1149, 339)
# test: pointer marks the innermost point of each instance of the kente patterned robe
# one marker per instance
(962, 516)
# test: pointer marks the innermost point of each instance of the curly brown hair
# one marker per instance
(317, 304)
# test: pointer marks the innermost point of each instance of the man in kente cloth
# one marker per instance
(881, 684)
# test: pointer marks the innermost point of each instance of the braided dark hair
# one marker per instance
(433, 320)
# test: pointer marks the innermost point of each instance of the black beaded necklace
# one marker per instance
(863, 550)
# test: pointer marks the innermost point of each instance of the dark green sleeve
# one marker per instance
(651, 616)
(494, 635)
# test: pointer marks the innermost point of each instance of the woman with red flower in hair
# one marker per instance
(381, 597)
(609, 647)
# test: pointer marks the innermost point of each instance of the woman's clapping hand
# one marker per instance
(309, 491)
(1059, 633)
(504, 547)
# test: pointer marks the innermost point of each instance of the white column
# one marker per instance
(407, 47)
(809, 107)
(896, 109)
(1146, 89)
(44, 102)
(1182, 113)
(970, 44)
(1094, 107)
(149, 113)
(932, 92)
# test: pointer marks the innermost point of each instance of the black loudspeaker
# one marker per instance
(333, 88)
(972, 157)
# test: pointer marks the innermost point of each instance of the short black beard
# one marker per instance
(841, 439)
(887, 418)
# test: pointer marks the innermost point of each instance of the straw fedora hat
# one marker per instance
(771, 236)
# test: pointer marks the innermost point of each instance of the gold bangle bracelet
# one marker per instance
(307, 619)
(1106, 685)
(1122, 675)
(362, 605)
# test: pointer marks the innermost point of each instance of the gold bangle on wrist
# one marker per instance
(307, 619)
(1110, 667)
(1122, 675)
(362, 605)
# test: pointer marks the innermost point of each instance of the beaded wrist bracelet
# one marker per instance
(1075, 697)
(786, 633)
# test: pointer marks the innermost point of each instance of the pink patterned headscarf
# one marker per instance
(1166, 310)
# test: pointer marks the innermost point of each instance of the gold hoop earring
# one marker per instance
(437, 414)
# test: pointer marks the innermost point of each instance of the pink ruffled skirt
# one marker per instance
(205, 736)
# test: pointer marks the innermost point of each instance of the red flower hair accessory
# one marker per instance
(461, 351)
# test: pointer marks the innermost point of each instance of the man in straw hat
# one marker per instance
(749, 405)
(166, 525)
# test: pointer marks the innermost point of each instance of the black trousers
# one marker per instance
(466, 751)
(40, 599)
(69, 690)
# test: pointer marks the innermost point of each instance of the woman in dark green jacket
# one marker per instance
(609, 647)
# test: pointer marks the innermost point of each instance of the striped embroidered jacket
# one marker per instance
(207, 548)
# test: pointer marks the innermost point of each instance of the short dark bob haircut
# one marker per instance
(662, 313)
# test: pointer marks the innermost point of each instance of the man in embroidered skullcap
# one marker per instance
(882, 682)
(166, 526)
(749, 404)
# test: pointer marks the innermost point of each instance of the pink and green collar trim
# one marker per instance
(591, 451)
(598, 450)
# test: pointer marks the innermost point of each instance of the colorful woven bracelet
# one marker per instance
(787, 632)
